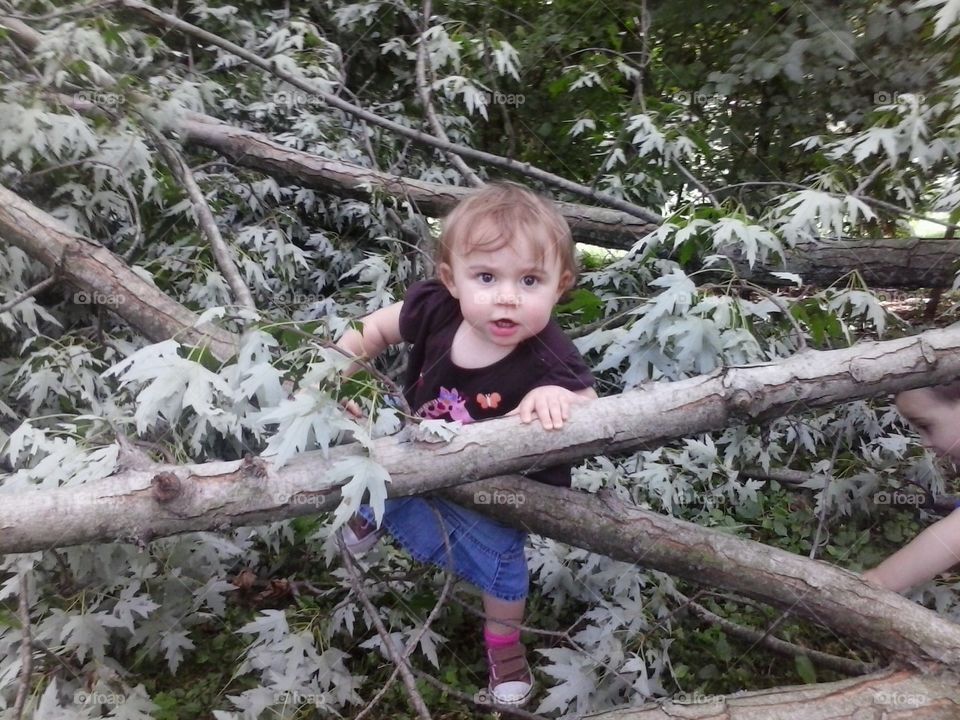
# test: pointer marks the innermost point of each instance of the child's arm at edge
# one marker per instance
(380, 329)
(930, 553)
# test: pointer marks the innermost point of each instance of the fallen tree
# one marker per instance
(104, 279)
(908, 263)
(224, 494)
(887, 694)
(883, 262)
(147, 502)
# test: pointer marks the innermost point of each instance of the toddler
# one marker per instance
(935, 413)
(483, 344)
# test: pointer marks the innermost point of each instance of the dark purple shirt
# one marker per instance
(436, 388)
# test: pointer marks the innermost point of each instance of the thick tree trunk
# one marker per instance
(887, 694)
(221, 494)
(103, 278)
(597, 225)
(907, 263)
(883, 263)
(822, 593)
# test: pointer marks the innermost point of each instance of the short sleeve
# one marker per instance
(426, 306)
(564, 366)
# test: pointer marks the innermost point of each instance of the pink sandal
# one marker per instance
(359, 535)
(511, 682)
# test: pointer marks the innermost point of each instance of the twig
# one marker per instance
(26, 649)
(844, 665)
(412, 644)
(824, 498)
(170, 21)
(504, 114)
(27, 294)
(784, 308)
(398, 658)
(639, 98)
(423, 89)
(868, 181)
(697, 182)
(365, 364)
(206, 221)
(118, 174)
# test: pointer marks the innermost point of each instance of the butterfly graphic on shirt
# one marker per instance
(489, 401)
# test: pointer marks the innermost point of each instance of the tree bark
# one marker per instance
(221, 494)
(811, 589)
(907, 263)
(104, 278)
(595, 225)
(883, 262)
(888, 694)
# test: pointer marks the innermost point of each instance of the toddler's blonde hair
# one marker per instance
(493, 216)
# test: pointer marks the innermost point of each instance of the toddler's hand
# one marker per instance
(550, 403)
(352, 409)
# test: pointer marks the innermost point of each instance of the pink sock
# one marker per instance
(496, 641)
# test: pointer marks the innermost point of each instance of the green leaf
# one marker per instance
(805, 669)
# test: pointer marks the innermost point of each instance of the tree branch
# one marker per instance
(423, 89)
(393, 652)
(781, 647)
(206, 221)
(27, 294)
(223, 494)
(26, 648)
(170, 21)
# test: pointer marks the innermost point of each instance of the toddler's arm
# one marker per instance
(931, 552)
(380, 330)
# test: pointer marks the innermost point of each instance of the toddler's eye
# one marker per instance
(529, 280)
(485, 277)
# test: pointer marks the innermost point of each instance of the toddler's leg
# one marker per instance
(511, 682)
(510, 611)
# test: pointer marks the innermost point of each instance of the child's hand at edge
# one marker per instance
(551, 404)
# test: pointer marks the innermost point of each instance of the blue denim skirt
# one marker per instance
(482, 551)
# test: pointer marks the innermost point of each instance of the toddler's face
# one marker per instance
(506, 295)
(937, 421)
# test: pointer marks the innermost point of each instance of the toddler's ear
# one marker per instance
(566, 282)
(445, 272)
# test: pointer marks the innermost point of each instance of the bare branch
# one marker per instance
(423, 89)
(170, 21)
(844, 665)
(26, 648)
(399, 659)
(205, 220)
(26, 295)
